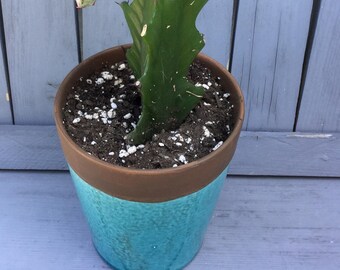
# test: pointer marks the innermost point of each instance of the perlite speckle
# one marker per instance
(132, 149)
(107, 75)
(182, 159)
(217, 146)
(100, 81)
(76, 120)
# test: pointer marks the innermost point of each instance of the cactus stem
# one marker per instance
(190, 93)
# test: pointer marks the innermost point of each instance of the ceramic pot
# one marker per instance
(147, 219)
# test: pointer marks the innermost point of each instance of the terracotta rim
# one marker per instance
(147, 185)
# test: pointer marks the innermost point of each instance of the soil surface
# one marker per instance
(105, 106)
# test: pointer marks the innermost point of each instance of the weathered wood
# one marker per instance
(320, 105)
(30, 148)
(5, 108)
(269, 50)
(215, 22)
(258, 153)
(104, 26)
(42, 47)
(259, 223)
(287, 154)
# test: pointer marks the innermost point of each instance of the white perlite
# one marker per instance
(161, 144)
(188, 140)
(182, 159)
(127, 116)
(218, 145)
(111, 154)
(123, 153)
(226, 95)
(207, 133)
(132, 149)
(89, 81)
(111, 114)
(205, 86)
(100, 81)
(117, 82)
(122, 67)
(93, 143)
(113, 105)
(107, 75)
(76, 120)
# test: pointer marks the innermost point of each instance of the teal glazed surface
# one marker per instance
(148, 236)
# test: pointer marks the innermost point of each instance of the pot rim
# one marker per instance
(239, 116)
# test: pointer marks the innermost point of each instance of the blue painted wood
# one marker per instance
(258, 153)
(42, 48)
(104, 26)
(259, 223)
(215, 22)
(320, 105)
(5, 108)
(268, 57)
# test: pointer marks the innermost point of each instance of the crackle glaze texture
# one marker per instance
(148, 236)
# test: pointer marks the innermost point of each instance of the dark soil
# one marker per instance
(104, 108)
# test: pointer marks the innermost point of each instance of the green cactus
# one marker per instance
(165, 43)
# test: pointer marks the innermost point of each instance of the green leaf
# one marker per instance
(166, 42)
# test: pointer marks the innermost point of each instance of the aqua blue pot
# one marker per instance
(147, 219)
(159, 236)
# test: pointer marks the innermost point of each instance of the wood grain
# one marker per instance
(259, 223)
(270, 44)
(320, 105)
(104, 26)
(258, 153)
(215, 22)
(5, 108)
(42, 47)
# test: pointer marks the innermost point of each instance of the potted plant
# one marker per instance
(147, 191)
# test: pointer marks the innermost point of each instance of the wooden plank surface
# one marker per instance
(259, 223)
(320, 105)
(269, 50)
(258, 153)
(42, 47)
(104, 26)
(215, 22)
(5, 108)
